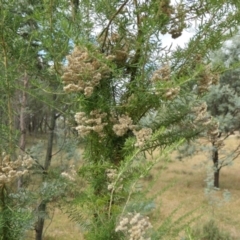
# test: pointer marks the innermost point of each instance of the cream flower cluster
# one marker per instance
(213, 134)
(83, 72)
(203, 118)
(124, 124)
(135, 226)
(162, 74)
(142, 136)
(171, 93)
(206, 79)
(10, 170)
(119, 57)
(71, 174)
(94, 122)
(112, 175)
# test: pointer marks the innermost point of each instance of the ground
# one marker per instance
(186, 181)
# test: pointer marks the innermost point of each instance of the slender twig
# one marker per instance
(117, 179)
(138, 17)
(51, 219)
(106, 29)
(61, 148)
(236, 151)
(129, 196)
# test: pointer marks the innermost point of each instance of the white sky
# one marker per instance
(167, 39)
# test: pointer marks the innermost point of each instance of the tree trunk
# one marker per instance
(48, 157)
(23, 129)
(40, 223)
(215, 159)
(216, 178)
(43, 205)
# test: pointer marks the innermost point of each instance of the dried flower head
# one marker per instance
(124, 124)
(203, 118)
(112, 176)
(206, 79)
(135, 226)
(94, 122)
(84, 72)
(171, 93)
(10, 170)
(142, 136)
(162, 74)
(201, 113)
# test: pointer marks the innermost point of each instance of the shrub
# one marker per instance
(209, 231)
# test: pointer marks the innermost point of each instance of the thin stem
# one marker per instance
(106, 29)
(9, 106)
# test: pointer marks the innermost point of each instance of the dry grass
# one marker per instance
(187, 179)
(59, 227)
(62, 228)
(188, 190)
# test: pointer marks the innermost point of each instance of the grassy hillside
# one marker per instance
(187, 189)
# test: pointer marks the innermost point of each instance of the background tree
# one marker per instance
(223, 103)
(27, 104)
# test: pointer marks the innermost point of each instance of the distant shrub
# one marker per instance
(209, 231)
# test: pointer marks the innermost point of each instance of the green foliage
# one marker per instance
(223, 104)
(16, 222)
(223, 100)
(15, 219)
(103, 231)
(52, 190)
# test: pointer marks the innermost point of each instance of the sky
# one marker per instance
(167, 39)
